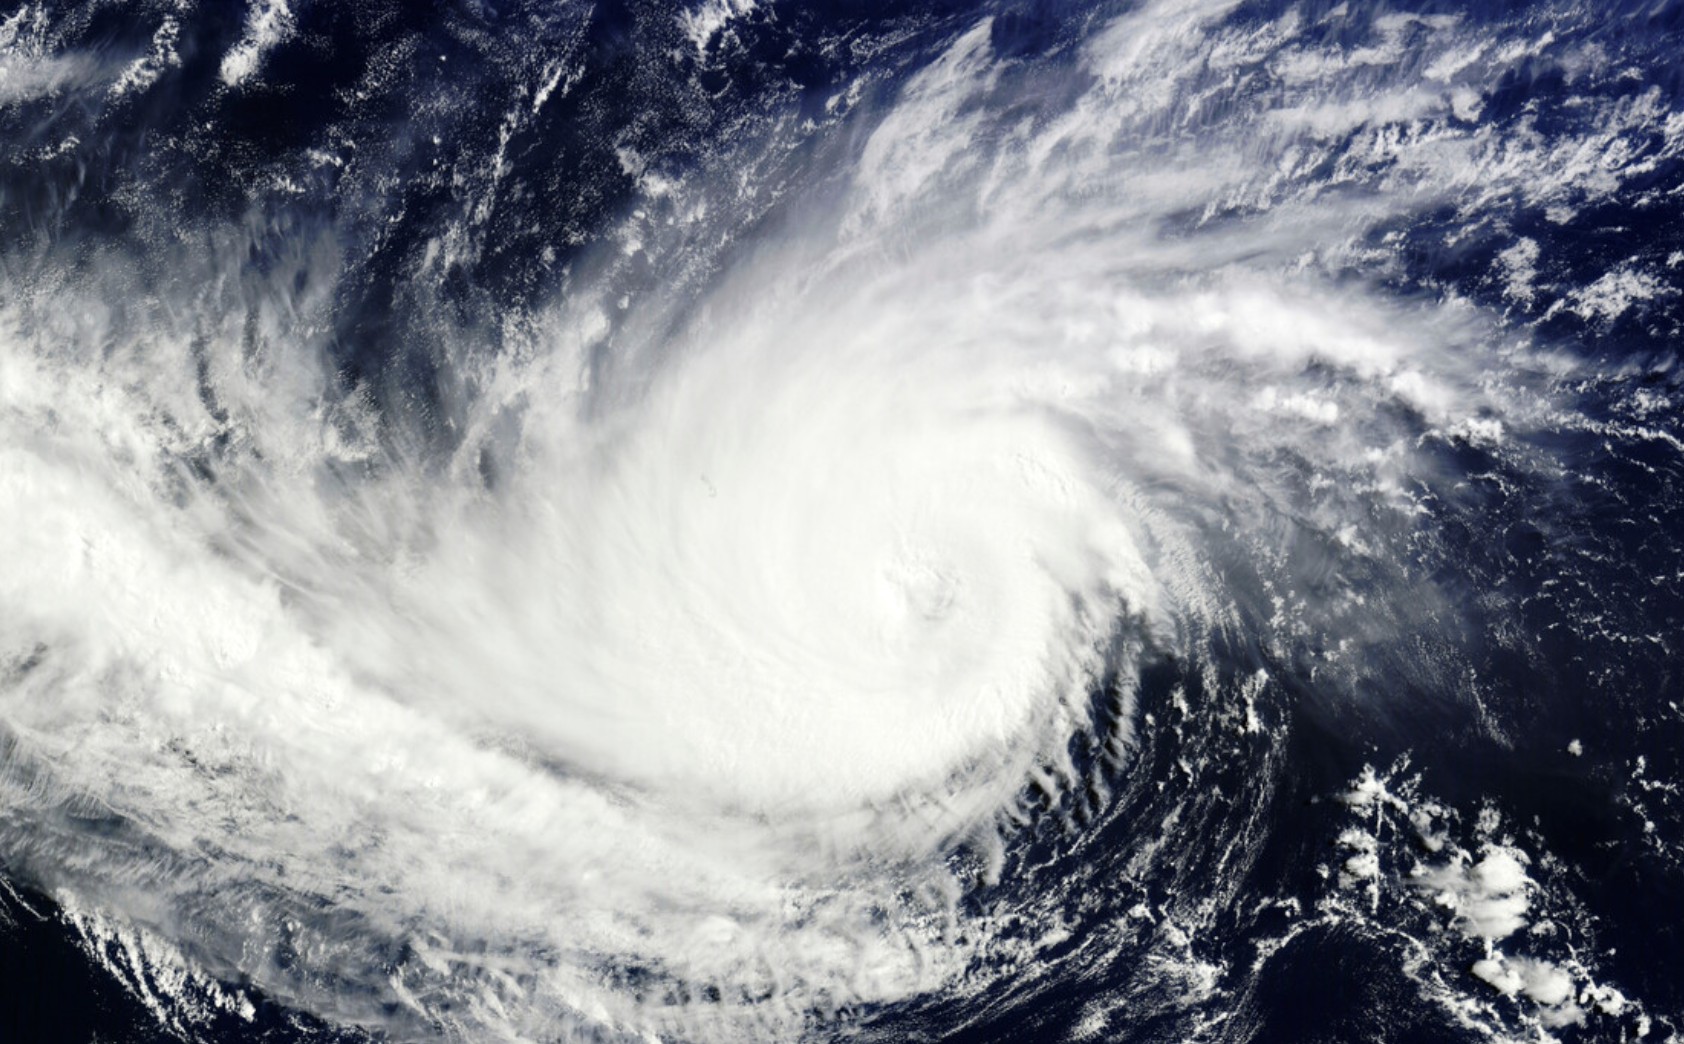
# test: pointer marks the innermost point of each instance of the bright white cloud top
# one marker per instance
(690, 690)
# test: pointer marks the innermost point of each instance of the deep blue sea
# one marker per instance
(743, 520)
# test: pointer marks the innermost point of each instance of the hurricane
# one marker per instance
(754, 521)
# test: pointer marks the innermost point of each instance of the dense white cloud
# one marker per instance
(763, 618)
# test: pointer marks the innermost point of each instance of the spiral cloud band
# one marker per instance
(679, 665)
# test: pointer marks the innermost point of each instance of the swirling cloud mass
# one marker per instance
(454, 599)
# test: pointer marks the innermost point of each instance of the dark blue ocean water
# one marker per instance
(403, 191)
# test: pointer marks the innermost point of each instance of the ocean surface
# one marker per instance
(743, 520)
